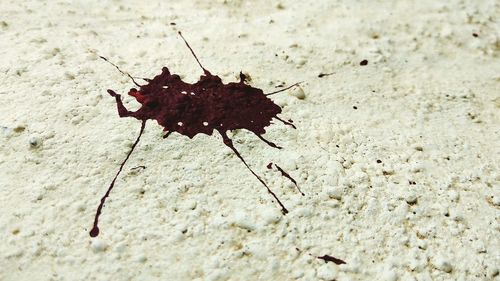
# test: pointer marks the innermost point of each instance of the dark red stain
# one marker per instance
(201, 108)
(328, 258)
(286, 175)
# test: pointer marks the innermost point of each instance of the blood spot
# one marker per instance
(211, 106)
(328, 258)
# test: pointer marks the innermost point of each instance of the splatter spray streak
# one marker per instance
(201, 108)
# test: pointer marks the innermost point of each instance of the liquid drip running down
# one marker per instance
(200, 108)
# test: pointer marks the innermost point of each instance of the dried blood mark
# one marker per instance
(201, 108)
(328, 258)
(286, 175)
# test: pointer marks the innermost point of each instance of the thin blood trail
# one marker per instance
(122, 72)
(204, 107)
(286, 175)
(271, 144)
(194, 55)
(289, 122)
(228, 142)
(282, 90)
(95, 230)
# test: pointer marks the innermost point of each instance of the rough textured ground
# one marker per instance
(426, 106)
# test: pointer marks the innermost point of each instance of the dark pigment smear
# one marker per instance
(328, 258)
(286, 175)
(201, 108)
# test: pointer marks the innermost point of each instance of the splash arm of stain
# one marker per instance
(285, 122)
(123, 72)
(95, 229)
(229, 143)
(122, 110)
(286, 175)
(270, 143)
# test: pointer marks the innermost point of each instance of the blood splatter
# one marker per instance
(200, 108)
(328, 258)
(286, 175)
